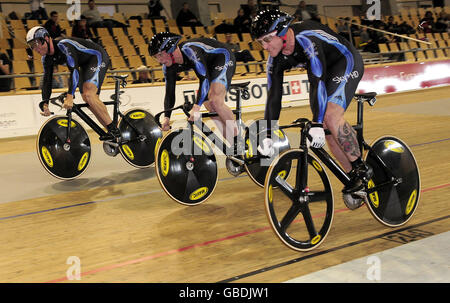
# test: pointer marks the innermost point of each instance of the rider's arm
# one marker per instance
(72, 63)
(170, 74)
(200, 69)
(316, 75)
(47, 79)
(275, 75)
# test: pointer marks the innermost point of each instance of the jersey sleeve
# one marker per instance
(72, 64)
(275, 75)
(47, 78)
(201, 71)
(316, 74)
(170, 74)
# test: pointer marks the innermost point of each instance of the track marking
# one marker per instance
(238, 235)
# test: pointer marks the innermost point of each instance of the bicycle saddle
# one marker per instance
(240, 85)
(369, 97)
(121, 77)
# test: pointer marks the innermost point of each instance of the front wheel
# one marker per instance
(63, 159)
(300, 214)
(394, 190)
(186, 167)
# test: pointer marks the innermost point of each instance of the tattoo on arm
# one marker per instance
(347, 139)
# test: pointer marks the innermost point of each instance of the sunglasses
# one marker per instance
(33, 44)
(267, 38)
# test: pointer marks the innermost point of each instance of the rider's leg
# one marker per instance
(342, 142)
(97, 107)
(216, 120)
(216, 100)
(344, 146)
(99, 110)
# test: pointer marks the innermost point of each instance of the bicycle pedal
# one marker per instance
(110, 148)
(111, 143)
(233, 167)
(361, 194)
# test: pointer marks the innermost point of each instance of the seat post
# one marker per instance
(360, 119)
(116, 101)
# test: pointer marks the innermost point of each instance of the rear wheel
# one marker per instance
(257, 168)
(393, 203)
(140, 132)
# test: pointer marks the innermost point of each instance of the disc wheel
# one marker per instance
(60, 159)
(140, 132)
(300, 216)
(394, 203)
(256, 132)
(186, 167)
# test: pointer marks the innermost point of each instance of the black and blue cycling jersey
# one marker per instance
(212, 62)
(86, 61)
(333, 64)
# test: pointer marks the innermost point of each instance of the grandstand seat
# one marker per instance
(19, 54)
(383, 48)
(133, 23)
(16, 25)
(240, 70)
(21, 67)
(157, 75)
(22, 83)
(409, 57)
(128, 50)
(257, 55)
(174, 29)
(187, 31)
(134, 61)
(200, 30)
(159, 23)
(4, 44)
(171, 22)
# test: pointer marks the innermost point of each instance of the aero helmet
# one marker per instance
(164, 41)
(37, 33)
(268, 21)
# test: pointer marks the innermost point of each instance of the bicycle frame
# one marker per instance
(329, 161)
(78, 110)
(205, 130)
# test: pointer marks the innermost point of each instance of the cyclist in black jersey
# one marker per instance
(334, 69)
(214, 64)
(87, 63)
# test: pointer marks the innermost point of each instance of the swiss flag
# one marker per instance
(295, 87)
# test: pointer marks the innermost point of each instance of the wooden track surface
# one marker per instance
(131, 231)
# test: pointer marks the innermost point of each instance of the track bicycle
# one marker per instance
(64, 147)
(300, 207)
(186, 163)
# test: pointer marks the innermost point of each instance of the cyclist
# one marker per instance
(334, 69)
(87, 63)
(214, 64)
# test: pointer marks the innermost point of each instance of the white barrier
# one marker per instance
(19, 114)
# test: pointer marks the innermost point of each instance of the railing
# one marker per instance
(115, 71)
(379, 58)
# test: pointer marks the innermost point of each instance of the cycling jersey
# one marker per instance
(212, 62)
(86, 60)
(333, 65)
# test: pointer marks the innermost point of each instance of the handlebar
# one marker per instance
(54, 101)
(186, 107)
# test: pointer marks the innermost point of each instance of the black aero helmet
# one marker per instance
(268, 21)
(164, 41)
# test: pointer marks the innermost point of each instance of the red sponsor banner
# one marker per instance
(403, 77)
